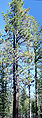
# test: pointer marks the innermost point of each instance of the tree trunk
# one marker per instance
(17, 95)
(2, 78)
(3, 110)
(14, 82)
(36, 88)
(29, 103)
(33, 115)
(17, 83)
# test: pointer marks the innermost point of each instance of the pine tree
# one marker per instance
(39, 65)
(36, 44)
(3, 92)
(14, 28)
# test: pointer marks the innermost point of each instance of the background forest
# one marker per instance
(20, 64)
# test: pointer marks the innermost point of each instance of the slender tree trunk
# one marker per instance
(14, 82)
(17, 95)
(37, 100)
(29, 103)
(36, 88)
(2, 99)
(17, 83)
(3, 109)
(24, 114)
(33, 115)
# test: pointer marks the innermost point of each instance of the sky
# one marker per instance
(36, 9)
(35, 5)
